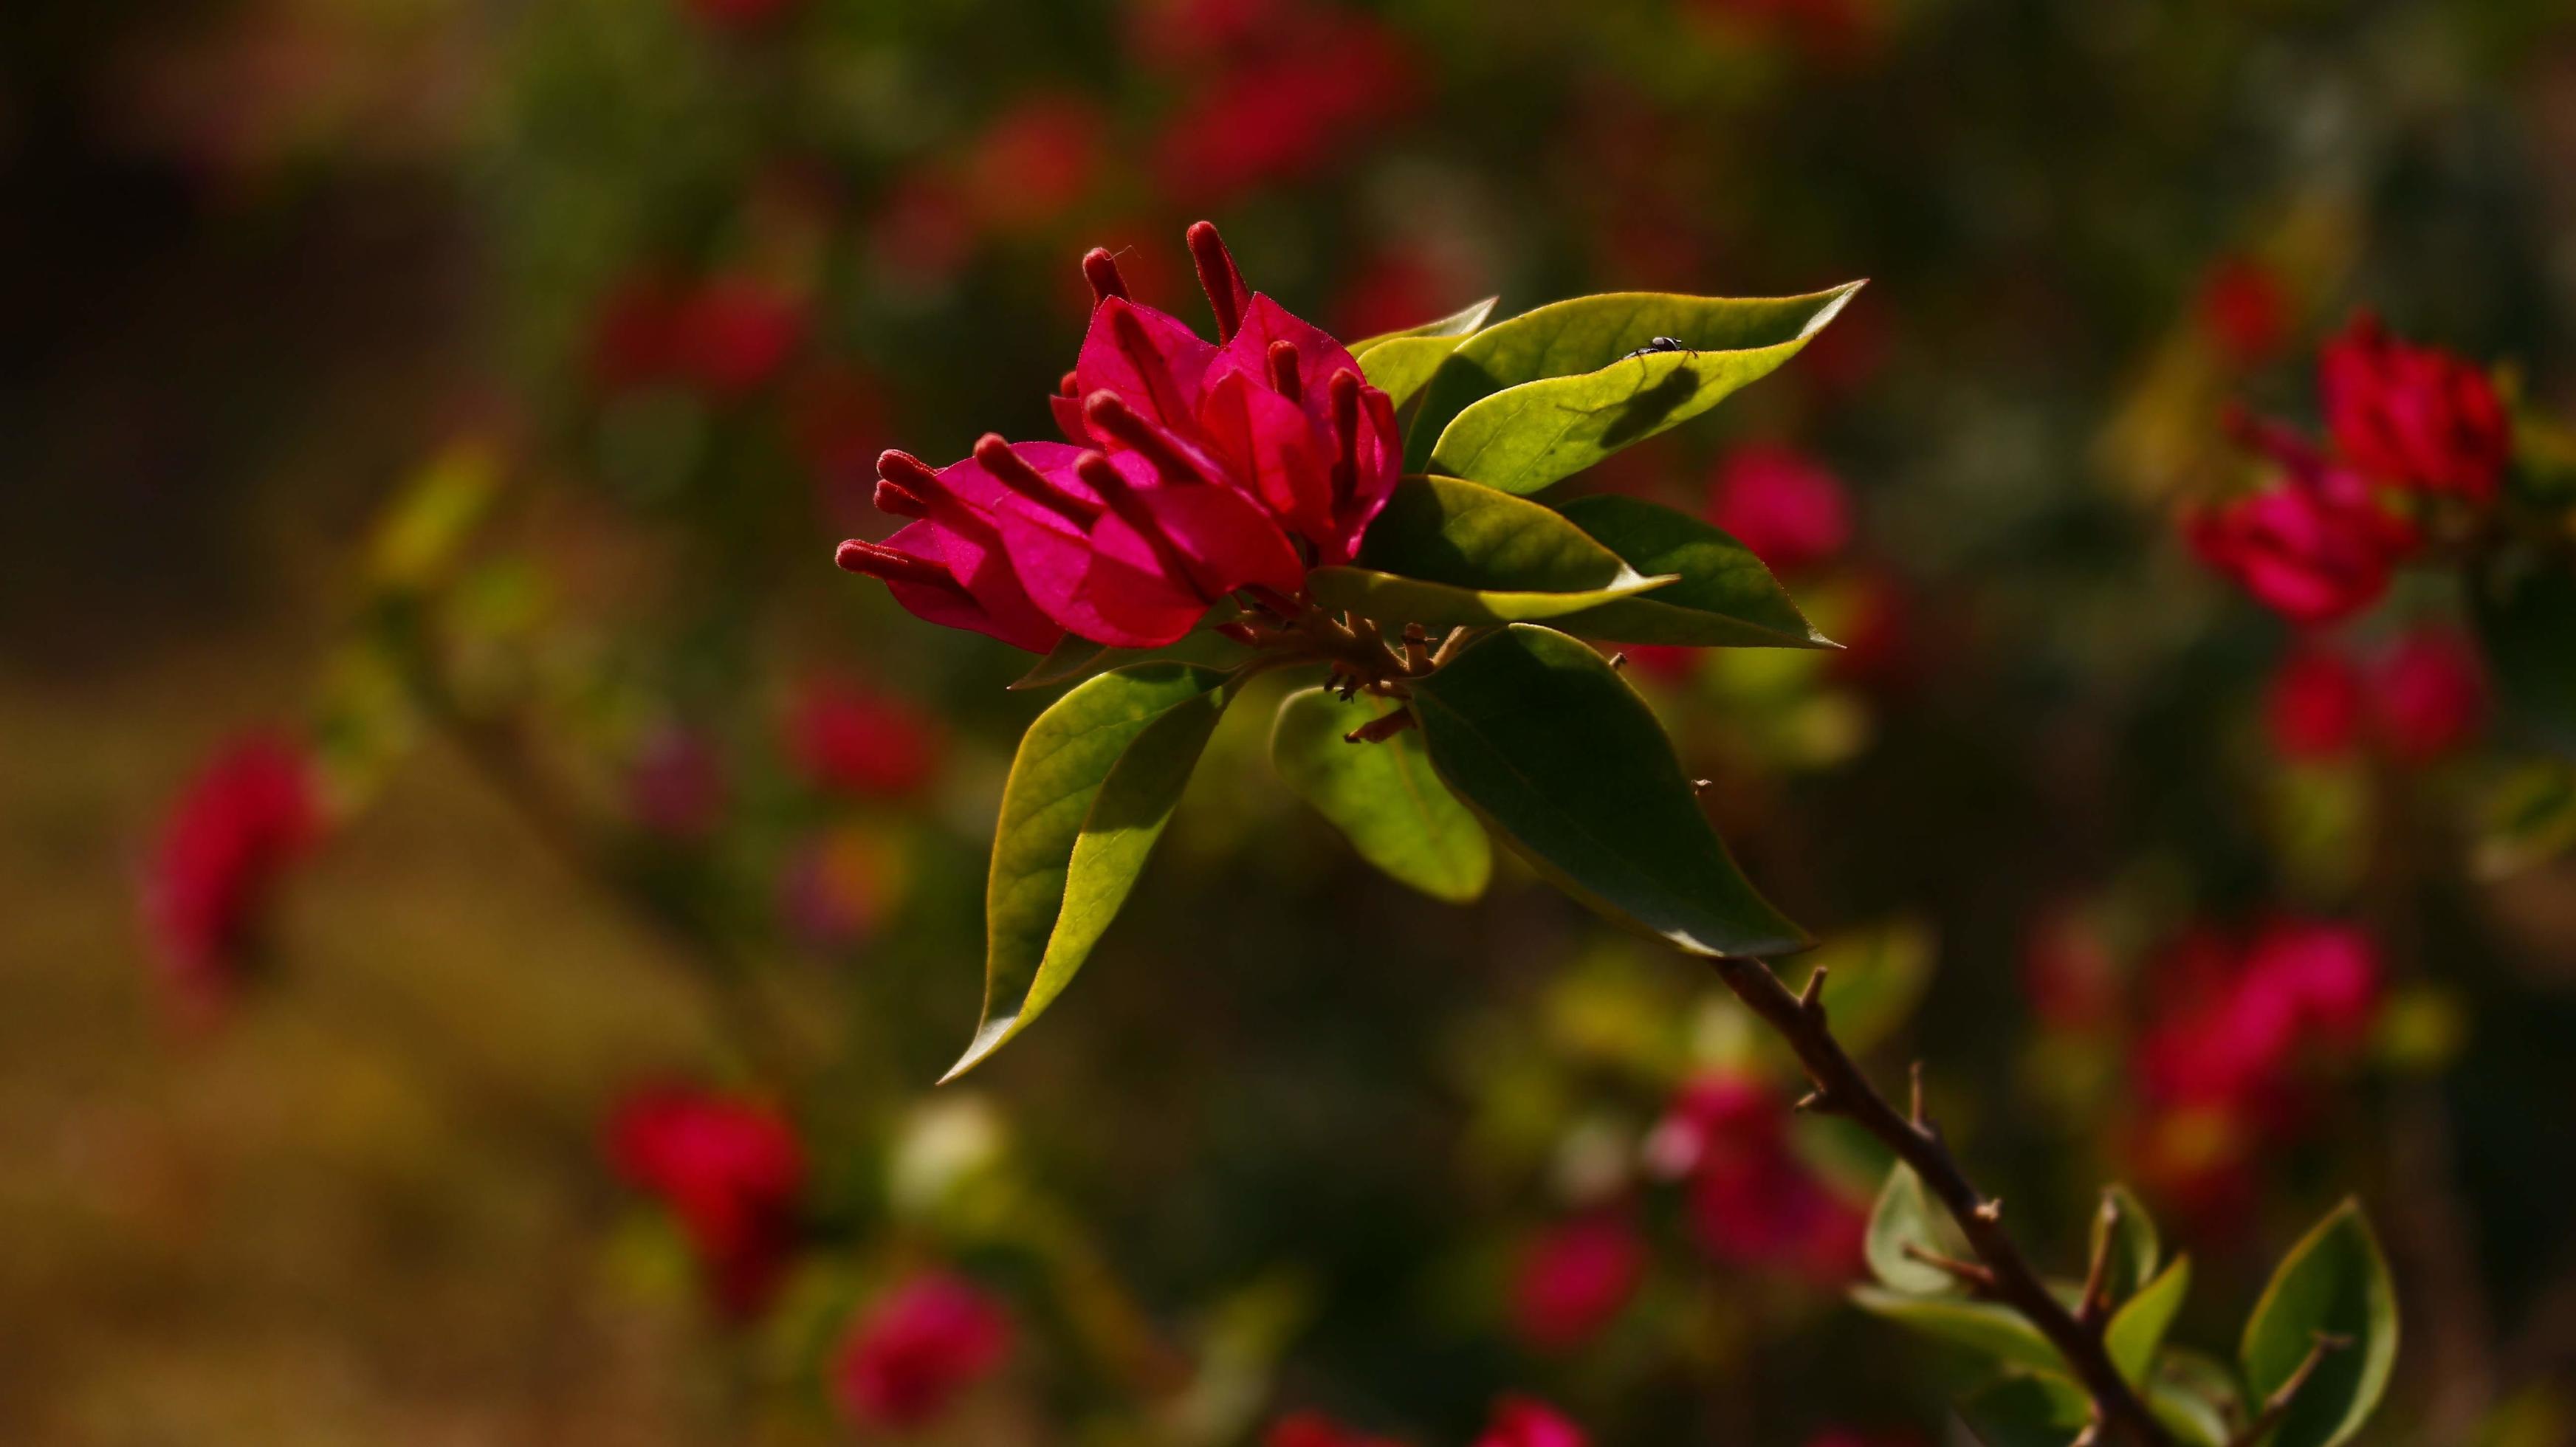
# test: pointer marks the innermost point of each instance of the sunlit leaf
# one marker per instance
(1390, 598)
(1988, 1328)
(1725, 598)
(1095, 781)
(1401, 363)
(2138, 1328)
(1383, 796)
(1544, 740)
(2333, 1283)
(1548, 393)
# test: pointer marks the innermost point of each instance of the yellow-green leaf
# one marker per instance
(1383, 796)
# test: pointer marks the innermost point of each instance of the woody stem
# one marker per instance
(1842, 1089)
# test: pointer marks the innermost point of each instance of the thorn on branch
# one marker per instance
(1618, 661)
(1450, 645)
(1380, 729)
(2091, 1436)
(2277, 1406)
(1417, 649)
(1991, 1210)
(1914, 1110)
(1812, 999)
(1968, 1273)
(1702, 786)
(2095, 1305)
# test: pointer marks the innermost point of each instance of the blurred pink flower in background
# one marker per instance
(730, 1169)
(250, 813)
(2417, 417)
(1574, 1279)
(2220, 1064)
(1314, 1429)
(2420, 698)
(2314, 545)
(910, 1354)
(2429, 694)
(1035, 160)
(836, 417)
(725, 336)
(2316, 704)
(675, 784)
(1753, 1202)
(1286, 89)
(1785, 506)
(841, 886)
(853, 740)
(1527, 1422)
(1392, 291)
(2244, 311)
(2068, 973)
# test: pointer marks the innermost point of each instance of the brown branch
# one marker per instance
(2277, 1405)
(1967, 1273)
(1842, 1089)
(2095, 1305)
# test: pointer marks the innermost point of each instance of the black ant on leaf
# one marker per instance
(1661, 344)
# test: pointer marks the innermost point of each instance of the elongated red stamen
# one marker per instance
(1104, 478)
(1345, 391)
(1022, 477)
(1148, 361)
(1108, 413)
(1218, 278)
(910, 474)
(1283, 371)
(1101, 270)
(876, 560)
(891, 498)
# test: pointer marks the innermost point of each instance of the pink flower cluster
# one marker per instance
(2321, 541)
(246, 817)
(2419, 698)
(1753, 1202)
(1789, 509)
(1276, 89)
(911, 1353)
(2219, 1064)
(1192, 470)
(1516, 1421)
(730, 1169)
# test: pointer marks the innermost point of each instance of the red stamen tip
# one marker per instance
(1101, 270)
(876, 560)
(906, 471)
(1223, 284)
(1283, 371)
(1067, 386)
(891, 498)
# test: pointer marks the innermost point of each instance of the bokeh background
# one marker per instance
(471, 393)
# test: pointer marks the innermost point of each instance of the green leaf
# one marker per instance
(1726, 597)
(2134, 1248)
(2199, 1375)
(2027, 1410)
(1549, 393)
(2137, 1329)
(1986, 1327)
(1561, 758)
(2194, 1419)
(1401, 363)
(1389, 598)
(2525, 607)
(1460, 323)
(2333, 1282)
(1442, 530)
(1905, 1216)
(1383, 796)
(1095, 781)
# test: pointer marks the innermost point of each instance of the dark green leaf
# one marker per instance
(1985, 1327)
(1383, 796)
(1094, 782)
(2138, 1328)
(2027, 1410)
(1905, 1216)
(1071, 658)
(2133, 1244)
(1552, 391)
(1560, 757)
(2525, 606)
(1401, 363)
(1726, 597)
(2191, 1418)
(2333, 1282)
(2194, 1394)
